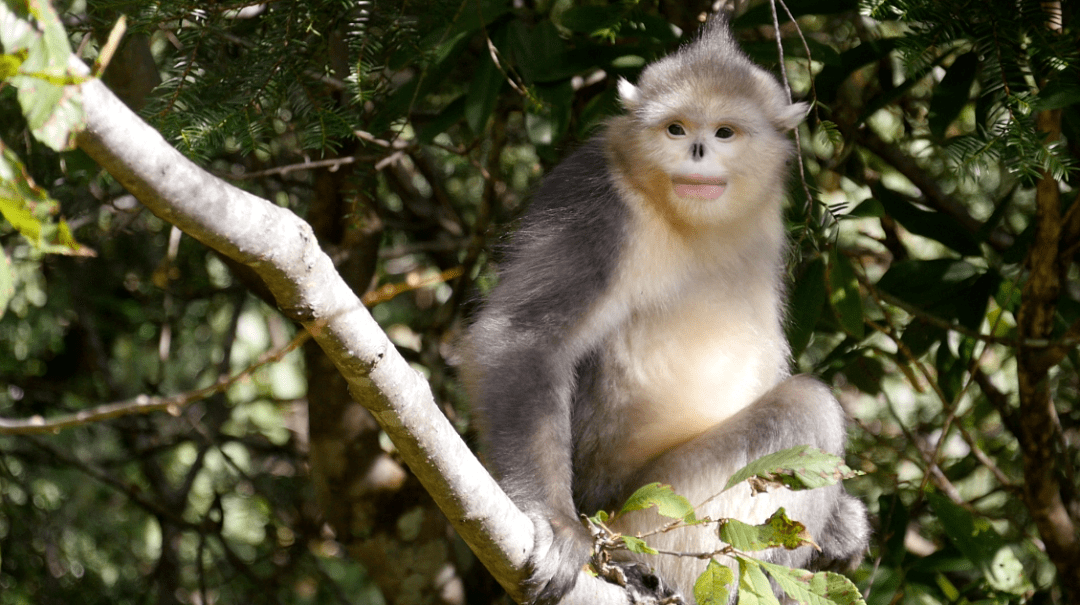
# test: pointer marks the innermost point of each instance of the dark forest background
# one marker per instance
(934, 283)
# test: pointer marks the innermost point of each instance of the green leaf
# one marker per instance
(927, 223)
(799, 467)
(777, 531)
(46, 92)
(667, 502)
(952, 93)
(927, 282)
(548, 123)
(821, 588)
(1058, 94)
(830, 78)
(950, 372)
(919, 336)
(637, 545)
(483, 94)
(445, 55)
(754, 587)
(30, 210)
(894, 517)
(9, 64)
(450, 115)
(712, 586)
(844, 295)
(592, 20)
(541, 54)
(865, 372)
(947, 288)
(976, 538)
(7, 282)
(807, 301)
(867, 208)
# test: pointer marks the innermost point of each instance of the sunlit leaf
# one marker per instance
(754, 587)
(777, 531)
(821, 588)
(713, 585)
(637, 545)
(800, 467)
(667, 502)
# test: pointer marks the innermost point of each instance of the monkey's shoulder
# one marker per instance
(578, 196)
(570, 241)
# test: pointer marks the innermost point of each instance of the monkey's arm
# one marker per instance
(524, 349)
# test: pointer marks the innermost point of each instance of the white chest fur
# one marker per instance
(695, 333)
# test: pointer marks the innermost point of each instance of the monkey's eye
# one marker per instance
(676, 130)
(725, 132)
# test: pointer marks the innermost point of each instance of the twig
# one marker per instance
(787, 88)
(142, 404)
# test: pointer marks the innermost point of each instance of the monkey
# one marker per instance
(635, 333)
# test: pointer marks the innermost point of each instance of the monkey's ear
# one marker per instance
(629, 94)
(792, 115)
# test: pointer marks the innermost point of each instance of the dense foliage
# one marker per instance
(934, 283)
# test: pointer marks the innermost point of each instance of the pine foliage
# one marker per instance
(1024, 65)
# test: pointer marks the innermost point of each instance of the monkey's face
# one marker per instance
(722, 158)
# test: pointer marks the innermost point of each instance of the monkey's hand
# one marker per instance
(563, 547)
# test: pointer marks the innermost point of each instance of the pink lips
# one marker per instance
(697, 186)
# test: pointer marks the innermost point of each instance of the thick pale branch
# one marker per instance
(282, 249)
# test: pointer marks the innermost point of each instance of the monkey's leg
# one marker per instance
(798, 411)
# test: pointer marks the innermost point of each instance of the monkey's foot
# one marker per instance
(643, 587)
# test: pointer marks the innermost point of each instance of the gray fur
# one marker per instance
(569, 365)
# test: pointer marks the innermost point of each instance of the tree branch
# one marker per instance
(283, 250)
(1038, 415)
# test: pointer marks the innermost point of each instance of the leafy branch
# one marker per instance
(797, 468)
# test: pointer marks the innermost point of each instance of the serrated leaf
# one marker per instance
(754, 587)
(712, 586)
(667, 502)
(821, 588)
(637, 545)
(844, 295)
(777, 531)
(799, 467)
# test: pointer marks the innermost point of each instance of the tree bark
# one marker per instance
(1038, 415)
